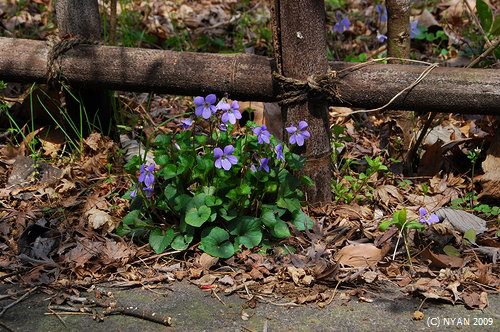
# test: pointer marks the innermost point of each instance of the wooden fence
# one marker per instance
(299, 37)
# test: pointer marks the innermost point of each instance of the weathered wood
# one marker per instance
(249, 77)
(299, 32)
(80, 18)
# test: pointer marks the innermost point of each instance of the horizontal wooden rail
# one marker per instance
(249, 77)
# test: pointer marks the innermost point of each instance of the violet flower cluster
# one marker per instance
(342, 24)
(206, 108)
(146, 181)
(427, 218)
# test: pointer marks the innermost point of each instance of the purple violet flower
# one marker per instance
(264, 164)
(381, 38)
(148, 191)
(133, 194)
(232, 114)
(205, 106)
(381, 13)
(146, 176)
(263, 134)
(222, 105)
(414, 30)
(222, 127)
(225, 159)
(427, 218)
(253, 168)
(186, 123)
(342, 24)
(298, 135)
(279, 152)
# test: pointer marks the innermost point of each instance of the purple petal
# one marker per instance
(237, 114)
(305, 134)
(303, 125)
(293, 139)
(232, 159)
(433, 218)
(300, 140)
(149, 191)
(226, 164)
(222, 105)
(199, 101)
(206, 113)
(151, 168)
(225, 117)
(235, 105)
(218, 163)
(198, 111)
(133, 194)
(422, 211)
(217, 153)
(232, 118)
(291, 129)
(229, 149)
(257, 131)
(211, 99)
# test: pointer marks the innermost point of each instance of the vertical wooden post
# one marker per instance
(80, 18)
(299, 31)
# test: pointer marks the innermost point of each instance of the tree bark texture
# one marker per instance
(249, 77)
(80, 18)
(398, 28)
(299, 31)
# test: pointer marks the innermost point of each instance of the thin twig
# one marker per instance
(476, 20)
(484, 54)
(59, 317)
(411, 86)
(7, 327)
(17, 301)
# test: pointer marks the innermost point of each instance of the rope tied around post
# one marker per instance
(316, 87)
(58, 48)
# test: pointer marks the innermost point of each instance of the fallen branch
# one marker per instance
(134, 312)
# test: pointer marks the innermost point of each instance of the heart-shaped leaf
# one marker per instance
(159, 241)
(197, 216)
(214, 242)
(247, 231)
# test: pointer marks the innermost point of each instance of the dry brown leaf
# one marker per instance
(442, 261)
(387, 194)
(359, 255)
(490, 181)
(462, 220)
(99, 219)
(206, 261)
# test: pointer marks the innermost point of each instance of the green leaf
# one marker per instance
(186, 162)
(470, 235)
(295, 161)
(415, 225)
(247, 231)
(495, 27)
(131, 217)
(160, 242)
(384, 225)
(307, 181)
(202, 140)
(280, 230)
(485, 15)
(299, 222)
(162, 141)
(214, 242)
(182, 201)
(451, 251)
(180, 243)
(197, 216)
(162, 160)
(268, 218)
(213, 201)
(270, 187)
(402, 216)
(227, 215)
(292, 204)
(168, 172)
